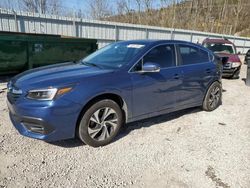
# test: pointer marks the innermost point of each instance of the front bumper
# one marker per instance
(229, 72)
(48, 121)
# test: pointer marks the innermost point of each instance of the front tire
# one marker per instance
(236, 75)
(213, 97)
(100, 123)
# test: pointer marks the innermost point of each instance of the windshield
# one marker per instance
(220, 48)
(114, 55)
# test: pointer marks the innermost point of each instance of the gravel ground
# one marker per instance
(191, 148)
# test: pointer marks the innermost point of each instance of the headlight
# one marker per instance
(235, 64)
(42, 94)
(47, 94)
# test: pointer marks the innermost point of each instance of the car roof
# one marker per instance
(156, 41)
(222, 41)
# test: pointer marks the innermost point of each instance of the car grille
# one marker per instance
(12, 94)
(227, 65)
(13, 97)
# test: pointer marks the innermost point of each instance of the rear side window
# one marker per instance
(192, 55)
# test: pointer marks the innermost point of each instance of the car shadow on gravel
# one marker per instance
(145, 123)
(70, 143)
(126, 129)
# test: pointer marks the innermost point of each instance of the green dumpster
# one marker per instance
(21, 51)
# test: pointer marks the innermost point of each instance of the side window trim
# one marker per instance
(170, 43)
(211, 57)
(176, 55)
(179, 59)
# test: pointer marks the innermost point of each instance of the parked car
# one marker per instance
(227, 51)
(120, 83)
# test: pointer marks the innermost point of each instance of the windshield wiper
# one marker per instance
(91, 64)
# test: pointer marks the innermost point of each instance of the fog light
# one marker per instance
(34, 127)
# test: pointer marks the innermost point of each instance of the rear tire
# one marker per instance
(213, 97)
(100, 123)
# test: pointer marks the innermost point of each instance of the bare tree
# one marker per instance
(6, 4)
(35, 6)
(148, 9)
(123, 7)
(125, 11)
(237, 11)
(100, 9)
(174, 13)
(139, 8)
(148, 4)
(224, 16)
(55, 7)
(41, 6)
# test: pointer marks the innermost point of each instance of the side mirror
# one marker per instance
(151, 67)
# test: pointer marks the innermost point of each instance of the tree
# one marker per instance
(41, 6)
(237, 11)
(8, 4)
(139, 8)
(99, 9)
(124, 11)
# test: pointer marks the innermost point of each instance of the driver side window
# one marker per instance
(163, 55)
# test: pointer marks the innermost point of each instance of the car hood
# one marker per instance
(231, 57)
(58, 74)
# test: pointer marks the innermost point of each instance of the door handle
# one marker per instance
(176, 76)
(208, 71)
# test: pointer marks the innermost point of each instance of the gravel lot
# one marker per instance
(191, 148)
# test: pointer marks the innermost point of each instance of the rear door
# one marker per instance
(197, 71)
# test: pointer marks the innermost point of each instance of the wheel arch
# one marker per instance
(205, 105)
(219, 81)
(112, 96)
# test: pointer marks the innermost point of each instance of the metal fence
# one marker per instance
(105, 32)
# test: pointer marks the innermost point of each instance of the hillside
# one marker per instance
(218, 16)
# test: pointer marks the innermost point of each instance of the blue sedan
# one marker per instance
(120, 83)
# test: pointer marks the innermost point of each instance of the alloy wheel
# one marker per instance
(214, 97)
(102, 124)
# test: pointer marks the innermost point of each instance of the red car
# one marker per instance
(227, 51)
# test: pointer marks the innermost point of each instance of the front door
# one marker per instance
(154, 92)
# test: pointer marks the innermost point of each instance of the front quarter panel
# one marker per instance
(118, 83)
